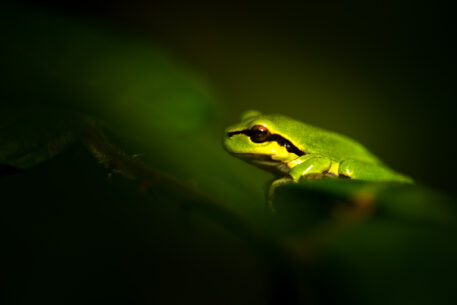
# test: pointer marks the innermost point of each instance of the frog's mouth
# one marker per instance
(265, 162)
(264, 159)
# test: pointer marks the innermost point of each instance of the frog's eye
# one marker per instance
(259, 133)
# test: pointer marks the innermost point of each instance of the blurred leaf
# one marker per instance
(371, 243)
(115, 76)
(388, 261)
(326, 198)
(56, 70)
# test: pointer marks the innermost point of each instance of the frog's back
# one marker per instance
(314, 140)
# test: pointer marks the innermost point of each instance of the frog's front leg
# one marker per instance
(372, 172)
(308, 166)
(271, 192)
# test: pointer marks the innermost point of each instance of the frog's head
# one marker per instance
(261, 140)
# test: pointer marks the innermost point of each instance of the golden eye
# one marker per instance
(259, 133)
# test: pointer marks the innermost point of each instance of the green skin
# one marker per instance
(295, 151)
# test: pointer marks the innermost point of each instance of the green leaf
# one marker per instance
(328, 197)
(56, 71)
(118, 77)
(369, 242)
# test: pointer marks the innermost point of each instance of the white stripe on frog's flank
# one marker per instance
(307, 170)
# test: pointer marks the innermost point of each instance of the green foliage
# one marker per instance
(372, 243)
(125, 81)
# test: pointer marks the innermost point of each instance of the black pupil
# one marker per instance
(259, 134)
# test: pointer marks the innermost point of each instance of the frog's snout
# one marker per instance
(233, 133)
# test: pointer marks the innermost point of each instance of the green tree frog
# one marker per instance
(295, 151)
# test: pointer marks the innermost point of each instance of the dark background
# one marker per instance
(382, 73)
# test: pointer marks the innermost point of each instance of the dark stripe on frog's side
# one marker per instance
(272, 138)
(344, 176)
(329, 174)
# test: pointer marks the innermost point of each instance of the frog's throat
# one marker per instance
(265, 162)
(272, 138)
